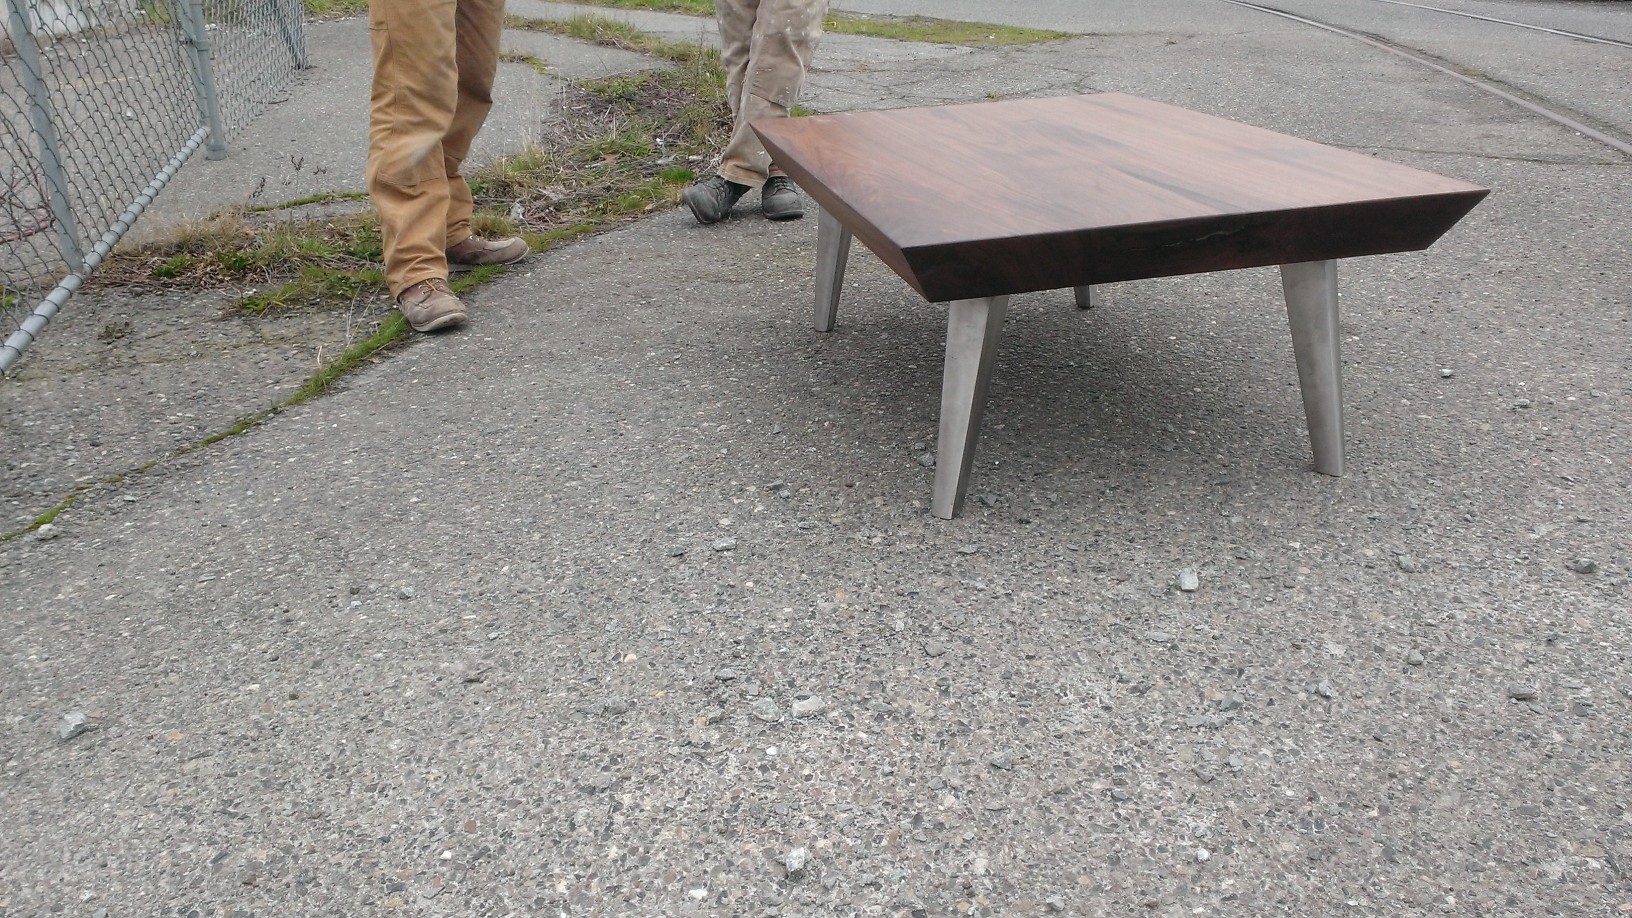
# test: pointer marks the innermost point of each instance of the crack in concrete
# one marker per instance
(1495, 157)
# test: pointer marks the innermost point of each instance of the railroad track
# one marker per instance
(1616, 143)
(1597, 39)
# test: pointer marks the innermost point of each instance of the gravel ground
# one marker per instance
(626, 600)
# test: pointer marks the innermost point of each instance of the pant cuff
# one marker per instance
(742, 175)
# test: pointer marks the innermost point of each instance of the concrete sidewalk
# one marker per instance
(625, 601)
(317, 141)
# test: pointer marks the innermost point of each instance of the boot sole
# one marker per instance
(439, 323)
(464, 267)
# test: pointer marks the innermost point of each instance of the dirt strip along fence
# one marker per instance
(101, 103)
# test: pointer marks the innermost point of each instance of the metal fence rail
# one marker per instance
(101, 101)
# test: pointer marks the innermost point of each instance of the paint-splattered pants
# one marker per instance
(434, 62)
(765, 46)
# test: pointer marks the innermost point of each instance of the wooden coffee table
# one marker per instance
(973, 203)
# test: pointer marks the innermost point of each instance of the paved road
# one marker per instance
(608, 603)
(1576, 77)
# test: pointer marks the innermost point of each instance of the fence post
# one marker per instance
(209, 101)
(43, 117)
(290, 14)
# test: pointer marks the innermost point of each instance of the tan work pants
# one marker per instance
(765, 46)
(434, 62)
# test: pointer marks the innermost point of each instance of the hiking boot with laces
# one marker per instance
(780, 199)
(476, 252)
(430, 305)
(712, 198)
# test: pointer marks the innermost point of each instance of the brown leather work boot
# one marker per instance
(430, 305)
(476, 252)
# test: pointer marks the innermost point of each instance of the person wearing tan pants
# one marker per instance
(765, 48)
(434, 63)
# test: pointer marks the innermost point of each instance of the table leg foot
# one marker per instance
(972, 333)
(1085, 297)
(1311, 309)
(832, 255)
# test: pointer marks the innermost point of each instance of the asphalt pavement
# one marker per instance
(625, 599)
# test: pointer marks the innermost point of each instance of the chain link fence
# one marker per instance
(101, 102)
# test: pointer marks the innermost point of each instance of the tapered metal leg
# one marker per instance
(1085, 297)
(832, 254)
(972, 332)
(1311, 309)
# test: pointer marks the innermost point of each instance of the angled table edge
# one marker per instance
(916, 263)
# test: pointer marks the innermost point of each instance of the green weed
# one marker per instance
(173, 267)
(326, 197)
(316, 285)
(939, 31)
(335, 9)
(900, 28)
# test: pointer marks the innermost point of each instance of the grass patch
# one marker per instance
(157, 12)
(315, 285)
(516, 57)
(625, 145)
(325, 197)
(335, 9)
(689, 7)
(173, 267)
(298, 263)
(900, 28)
(940, 31)
(614, 34)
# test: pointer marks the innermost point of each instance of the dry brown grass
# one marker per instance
(619, 148)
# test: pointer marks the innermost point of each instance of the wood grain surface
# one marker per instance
(1006, 197)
